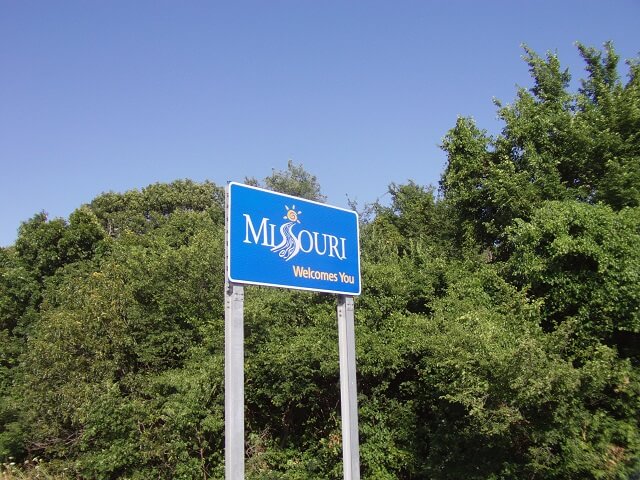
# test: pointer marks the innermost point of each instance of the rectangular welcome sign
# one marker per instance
(283, 241)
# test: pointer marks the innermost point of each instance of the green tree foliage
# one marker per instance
(295, 180)
(131, 352)
(116, 330)
(555, 145)
(583, 261)
(43, 248)
(140, 211)
(556, 193)
(497, 332)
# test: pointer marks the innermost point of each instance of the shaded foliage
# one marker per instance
(583, 261)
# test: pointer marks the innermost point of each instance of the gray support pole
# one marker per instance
(233, 373)
(348, 388)
(234, 383)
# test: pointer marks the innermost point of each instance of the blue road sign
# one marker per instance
(283, 241)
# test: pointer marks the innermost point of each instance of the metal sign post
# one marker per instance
(233, 372)
(348, 388)
(234, 383)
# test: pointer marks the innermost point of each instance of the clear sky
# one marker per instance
(112, 95)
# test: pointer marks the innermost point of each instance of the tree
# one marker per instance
(295, 180)
(555, 145)
(122, 370)
(553, 199)
(43, 249)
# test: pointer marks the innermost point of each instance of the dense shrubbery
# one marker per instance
(498, 333)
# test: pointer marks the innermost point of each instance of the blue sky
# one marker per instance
(100, 96)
